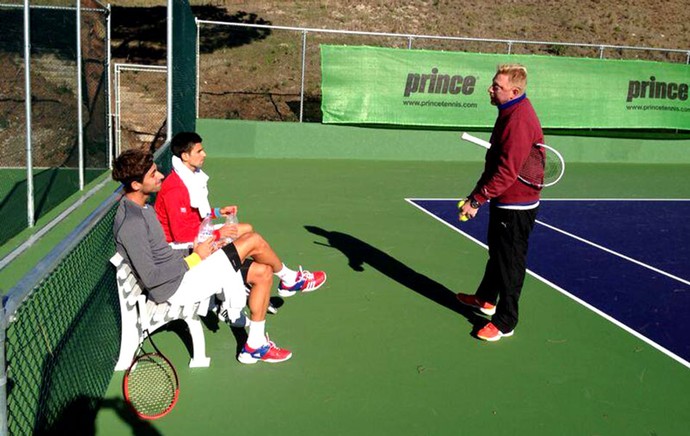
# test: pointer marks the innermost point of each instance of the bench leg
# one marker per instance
(130, 339)
(199, 358)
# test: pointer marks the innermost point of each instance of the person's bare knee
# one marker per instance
(243, 228)
(248, 244)
(260, 274)
(255, 246)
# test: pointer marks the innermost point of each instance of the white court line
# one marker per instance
(615, 253)
(604, 315)
(598, 199)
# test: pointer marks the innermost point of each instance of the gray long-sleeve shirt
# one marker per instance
(140, 241)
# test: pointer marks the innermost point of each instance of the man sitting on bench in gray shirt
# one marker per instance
(212, 268)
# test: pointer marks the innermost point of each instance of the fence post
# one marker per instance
(109, 88)
(169, 117)
(80, 123)
(27, 93)
(118, 138)
(304, 61)
(409, 42)
(198, 41)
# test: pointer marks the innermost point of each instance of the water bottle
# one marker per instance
(205, 229)
(231, 219)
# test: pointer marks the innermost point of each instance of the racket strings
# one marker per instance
(151, 385)
(553, 167)
(533, 170)
(543, 167)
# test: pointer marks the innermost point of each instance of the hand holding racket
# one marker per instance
(544, 166)
(150, 384)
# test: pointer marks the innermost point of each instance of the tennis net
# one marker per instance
(61, 329)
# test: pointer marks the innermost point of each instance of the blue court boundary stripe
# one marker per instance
(558, 288)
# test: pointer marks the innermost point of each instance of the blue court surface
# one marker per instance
(627, 260)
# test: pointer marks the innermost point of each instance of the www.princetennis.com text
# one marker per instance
(653, 107)
(423, 103)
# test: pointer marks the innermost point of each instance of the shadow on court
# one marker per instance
(359, 253)
(79, 417)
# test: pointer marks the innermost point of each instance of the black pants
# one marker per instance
(508, 237)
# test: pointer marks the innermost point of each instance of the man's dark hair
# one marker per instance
(183, 142)
(131, 166)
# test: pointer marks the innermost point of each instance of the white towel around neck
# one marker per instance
(196, 183)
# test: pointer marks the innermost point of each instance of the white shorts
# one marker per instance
(214, 275)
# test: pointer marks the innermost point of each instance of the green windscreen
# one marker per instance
(449, 89)
(183, 66)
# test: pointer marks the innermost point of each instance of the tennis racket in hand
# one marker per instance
(544, 166)
(150, 385)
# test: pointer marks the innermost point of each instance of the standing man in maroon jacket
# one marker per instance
(513, 207)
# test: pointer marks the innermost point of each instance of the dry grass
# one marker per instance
(259, 78)
(629, 22)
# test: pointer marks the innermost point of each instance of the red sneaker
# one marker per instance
(306, 282)
(491, 333)
(269, 353)
(470, 300)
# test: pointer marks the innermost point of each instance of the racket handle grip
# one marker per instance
(478, 141)
(461, 217)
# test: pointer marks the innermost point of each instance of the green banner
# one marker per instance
(373, 85)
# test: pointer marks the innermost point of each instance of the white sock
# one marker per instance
(257, 334)
(287, 276)
(237, 318)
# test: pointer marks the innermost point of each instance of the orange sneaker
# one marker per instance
(491, 333)
(470, 300)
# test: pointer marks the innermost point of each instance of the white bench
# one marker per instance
(140, 315)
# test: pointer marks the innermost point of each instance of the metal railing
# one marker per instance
(411, 38)
(45, 41)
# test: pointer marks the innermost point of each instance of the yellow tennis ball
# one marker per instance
(462, 218)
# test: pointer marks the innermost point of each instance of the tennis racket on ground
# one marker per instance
(544, 166)
(150, 385)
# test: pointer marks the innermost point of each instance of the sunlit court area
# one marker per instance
(344, 150)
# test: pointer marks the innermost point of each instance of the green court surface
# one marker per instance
(52, 186)
(382, 349)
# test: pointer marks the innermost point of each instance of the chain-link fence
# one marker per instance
(68, 111)
(140, 113)
(60, 328)
(257, 71)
